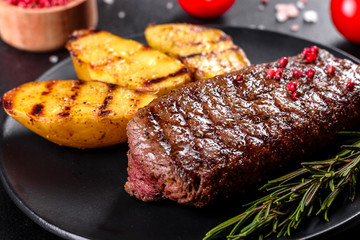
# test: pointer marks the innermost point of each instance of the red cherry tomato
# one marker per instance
(346, 18)
(206, 8)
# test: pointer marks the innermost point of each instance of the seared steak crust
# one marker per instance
(216, 137)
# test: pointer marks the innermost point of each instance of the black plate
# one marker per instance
(78, 194)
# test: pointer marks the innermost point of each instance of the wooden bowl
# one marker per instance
(45, 29)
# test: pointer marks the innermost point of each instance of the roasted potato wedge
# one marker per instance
(100, 55)
(75, 113)
(206, 51)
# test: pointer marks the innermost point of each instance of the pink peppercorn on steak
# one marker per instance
(216, 137)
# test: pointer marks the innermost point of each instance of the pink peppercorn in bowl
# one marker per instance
(44, 25)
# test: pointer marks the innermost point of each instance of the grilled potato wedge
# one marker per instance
(100, 55)
(75, 113)
(207, 52)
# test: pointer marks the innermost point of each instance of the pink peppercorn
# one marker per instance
(38, 3)
(239, 77)
(305, 52)
(278, 73)
(295, 95)
(292, 86)
(310, 73)
(331, 69)
(297, 73)
(314, 49)
(283, 62)
(311, 57)
(350, 85)
(270, 73)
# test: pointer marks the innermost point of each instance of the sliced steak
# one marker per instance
(216, 137)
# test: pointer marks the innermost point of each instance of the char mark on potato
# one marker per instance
(78, 83)
(7, 104)
(112, 87)
(201, 54)
(49, 88)
(37, 110)
(183, 70)
(64, 114)
(106, 102)
(104, 113)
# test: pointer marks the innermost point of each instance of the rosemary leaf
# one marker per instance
(353, 185)
(349, 133)
(292, 197)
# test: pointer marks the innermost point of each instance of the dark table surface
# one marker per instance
(136, 14)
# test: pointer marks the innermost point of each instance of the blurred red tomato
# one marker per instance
(206, 8)
(346, 18)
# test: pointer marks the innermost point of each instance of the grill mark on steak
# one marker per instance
(261, 134)
(156, 135)
(208, 105)
(223, 152)
(203, 137)
(172, 146)
(154, 118)
(226, 152)
(268, 125)
(189, 105)
(189, 148)
(200, 124)
(256, 130)
(198, 138)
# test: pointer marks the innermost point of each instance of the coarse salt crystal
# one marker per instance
(109, 1)
(300, 5)
(169, 5)
(290, 9)
(285, 11)
(252, 26)
(281, 17)
(121, 14)
(53, 59)
(311, 16)
(261, 27)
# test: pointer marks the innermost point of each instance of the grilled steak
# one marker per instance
(216, 137)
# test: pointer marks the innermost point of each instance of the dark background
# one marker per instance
(17, 67)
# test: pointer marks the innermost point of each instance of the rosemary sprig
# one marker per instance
(309, 190)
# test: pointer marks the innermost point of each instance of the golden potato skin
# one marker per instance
(100, 55)
(207, 52)
(75, 113)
